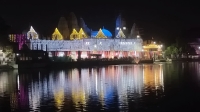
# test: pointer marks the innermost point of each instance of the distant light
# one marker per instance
(124, 28)
(17, 54)
(161, 45)
(61, 54)
(87, 43)
(95, 46)
(199, 47)
(117, 28)
(154, 42)
(138, 36)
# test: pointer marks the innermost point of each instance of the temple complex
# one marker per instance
(71, 37)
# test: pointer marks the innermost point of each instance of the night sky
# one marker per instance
(161, 20)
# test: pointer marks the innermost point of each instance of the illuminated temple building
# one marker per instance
(72, 36)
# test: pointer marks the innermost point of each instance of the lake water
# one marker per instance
(143, 87)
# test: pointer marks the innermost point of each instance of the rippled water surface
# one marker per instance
(148, 87)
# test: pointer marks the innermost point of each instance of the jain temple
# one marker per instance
(73, 36)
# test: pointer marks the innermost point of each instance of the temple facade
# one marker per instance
(88, 42)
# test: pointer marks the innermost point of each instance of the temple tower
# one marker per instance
(120, 24)
(73, 23)
(84, 27)
(63, 28)
(134, 32)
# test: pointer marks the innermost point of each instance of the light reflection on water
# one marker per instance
(113, 88)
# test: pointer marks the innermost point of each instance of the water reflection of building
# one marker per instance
(23, 91)
(3, 83)
(153, 78)
(8, 87)
(58, 89)
(82, 87)
(34, 95)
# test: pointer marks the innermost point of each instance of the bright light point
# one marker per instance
(124, 28)
(61, 54)
(161, 45)
(17, 54)
(138, 36)
(199, 47)
(95, 46)
(154, 42)
(117, 28)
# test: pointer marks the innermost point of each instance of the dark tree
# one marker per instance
(4, 31)
(25, 47)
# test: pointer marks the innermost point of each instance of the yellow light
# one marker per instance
(82, 34)
(74, 35)
(57, 35)
(100, 34)
(59, 98)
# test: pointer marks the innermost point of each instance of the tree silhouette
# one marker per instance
(25, 47)
(4, 28)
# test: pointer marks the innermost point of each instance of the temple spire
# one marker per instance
(84, 27)
(120, 24)
(32, 34)
(133, 33)
(31, 29)
(120, 34)
(82, 34)
(73, 22)
(63, 28)
(57, 35)
(100, 34)
(74, 35)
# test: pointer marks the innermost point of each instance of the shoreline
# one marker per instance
(76, 64)
(82, 64)
(6, 67)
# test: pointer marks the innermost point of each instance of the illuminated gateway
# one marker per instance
(70, 37)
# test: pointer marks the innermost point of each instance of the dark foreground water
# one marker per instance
(149, 87)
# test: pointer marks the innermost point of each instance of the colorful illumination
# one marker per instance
(57, 35)
(19, 38)
(32, 34)
(74, 35)
(120, 34)
(82, 34)
(88, 45)
(100, 34)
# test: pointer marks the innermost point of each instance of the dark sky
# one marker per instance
(161, 20)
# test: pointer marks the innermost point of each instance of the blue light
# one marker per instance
(105, 31)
